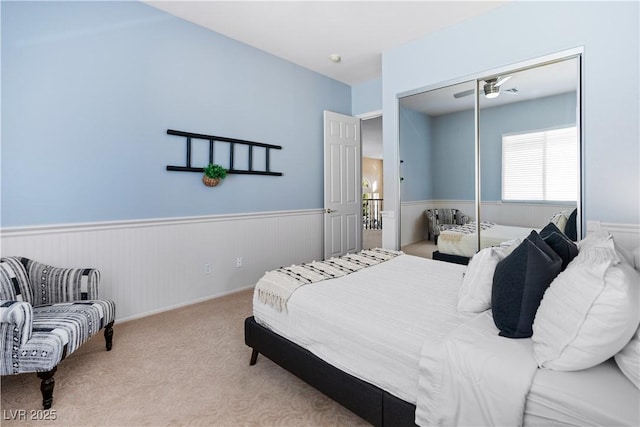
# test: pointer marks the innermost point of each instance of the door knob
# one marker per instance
(331, 210)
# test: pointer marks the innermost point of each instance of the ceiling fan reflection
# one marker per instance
(491, 88)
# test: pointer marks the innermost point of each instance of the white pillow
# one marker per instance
(628, 359)
(589, 312)
(600, 238)
(625, 255)
(509, 246)
(560, 220)
(475, 292)
(603, 238)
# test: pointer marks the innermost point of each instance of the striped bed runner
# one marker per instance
(276, 286)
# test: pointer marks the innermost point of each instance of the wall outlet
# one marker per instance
(207, 268)
(239, 262)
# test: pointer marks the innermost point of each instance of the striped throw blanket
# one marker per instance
(276, 286)
(455, 234)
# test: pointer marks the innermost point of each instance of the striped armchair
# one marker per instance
(439, 220)
(47, 313)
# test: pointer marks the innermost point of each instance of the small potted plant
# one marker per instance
(213, 174)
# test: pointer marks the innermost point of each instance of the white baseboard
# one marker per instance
(183, 304)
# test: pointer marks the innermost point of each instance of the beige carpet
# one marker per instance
(371, 239)
(189, 366)
(423, 248)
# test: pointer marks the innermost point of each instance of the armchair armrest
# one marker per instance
(431, 223)
(464, 219)
(19, 315)
(52, 285)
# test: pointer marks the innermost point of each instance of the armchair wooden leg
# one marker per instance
(46, 387)
(254, 357)
(108, 335)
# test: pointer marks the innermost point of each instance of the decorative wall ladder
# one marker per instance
(232, 143)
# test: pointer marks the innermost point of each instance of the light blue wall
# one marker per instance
(366, 97)
(545, 113)
(415, 153)
(453, 161)
(521, 31)
(89, 90)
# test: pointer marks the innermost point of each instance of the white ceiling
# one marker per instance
(532, 83)
(308, 32)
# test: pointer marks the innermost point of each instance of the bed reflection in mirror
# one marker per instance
(528, 158)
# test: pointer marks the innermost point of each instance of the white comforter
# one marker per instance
(461, 244)
(475, 377)
(395, 325)
(372, 323)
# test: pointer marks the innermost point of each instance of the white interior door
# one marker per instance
(342, 185)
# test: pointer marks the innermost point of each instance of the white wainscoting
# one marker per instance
(625, 235)
(520, 214)
(150, 266)
(414, 223)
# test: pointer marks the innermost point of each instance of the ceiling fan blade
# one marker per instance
(464, 93)
(502, 80)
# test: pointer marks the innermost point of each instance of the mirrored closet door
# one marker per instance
(437, 157)
(502, 149)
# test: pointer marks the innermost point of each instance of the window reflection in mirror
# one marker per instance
(529, 147)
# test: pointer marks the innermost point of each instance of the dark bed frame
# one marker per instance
(456, 259)
(366, 400)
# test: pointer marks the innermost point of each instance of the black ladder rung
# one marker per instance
(252, 172)
(231, 141)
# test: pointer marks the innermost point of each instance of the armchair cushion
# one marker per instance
(59, 330)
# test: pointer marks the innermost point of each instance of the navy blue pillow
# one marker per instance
(548, 229)
(519, 283)
(571, 228)
(539, 242)
(560, 243)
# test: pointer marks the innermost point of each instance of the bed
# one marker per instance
(459, 243)
(372, 338)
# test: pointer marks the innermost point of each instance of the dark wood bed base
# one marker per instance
(366, 400)
(456, 259)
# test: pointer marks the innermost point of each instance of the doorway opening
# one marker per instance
(372, 181)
